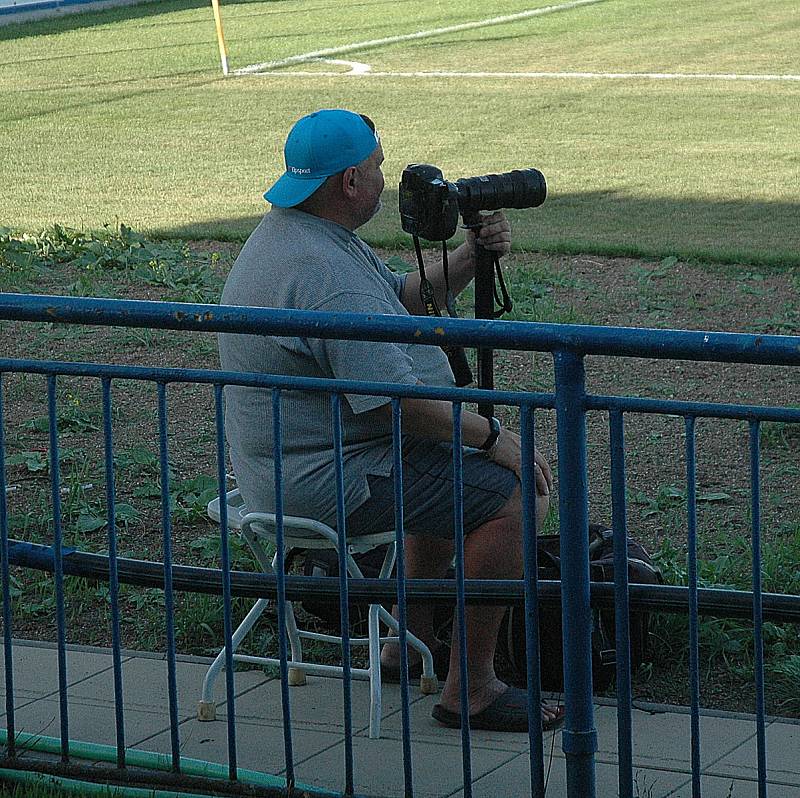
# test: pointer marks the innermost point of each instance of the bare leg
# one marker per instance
(492, 551)
(425, 558)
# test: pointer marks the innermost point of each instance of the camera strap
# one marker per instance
(504, 301)
(455, 354)
(426, 291)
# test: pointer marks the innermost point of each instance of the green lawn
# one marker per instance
(124, 115)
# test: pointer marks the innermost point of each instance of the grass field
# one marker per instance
(124, 115)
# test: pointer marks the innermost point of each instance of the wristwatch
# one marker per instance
(494, 434)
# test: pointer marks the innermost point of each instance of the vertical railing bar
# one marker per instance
(694, 643)
(621, 604)
(58, 554)
(758, 637)
(226, 581)
(8, 655)
(113, 576)
(336, 407)
(169, 604)
(402, 615)
(458, 526)
(280, 544)
(579, 738)
(531, 583)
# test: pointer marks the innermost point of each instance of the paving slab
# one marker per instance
(319, 704)
(89, 721)
(35, 668)
(258, 746)
(727, 787)
(500, 762)
(783, 756)
(145, 684)
(437, 770)
(662, 740)
(513, 778)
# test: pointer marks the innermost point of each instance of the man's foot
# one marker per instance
(507, 712)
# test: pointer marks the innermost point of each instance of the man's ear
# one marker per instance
(350, 181)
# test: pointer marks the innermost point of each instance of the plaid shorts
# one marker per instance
(428, 492)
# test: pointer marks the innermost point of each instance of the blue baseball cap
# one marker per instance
(318, 146)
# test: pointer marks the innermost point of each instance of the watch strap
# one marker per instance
(494, 434)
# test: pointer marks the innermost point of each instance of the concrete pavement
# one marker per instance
(500, 762)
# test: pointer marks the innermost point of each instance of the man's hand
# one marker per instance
(494, 235)
(508, 453)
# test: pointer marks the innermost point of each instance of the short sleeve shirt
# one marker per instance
(296, 260)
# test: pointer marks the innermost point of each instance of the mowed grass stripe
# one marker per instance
(124, 115)
(486, 22)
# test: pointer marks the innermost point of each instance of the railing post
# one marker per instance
(579, 738)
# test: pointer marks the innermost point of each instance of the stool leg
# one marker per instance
(297, 676)
(374, 672)
(206, 708)
(428, 682)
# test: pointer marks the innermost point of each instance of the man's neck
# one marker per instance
(330, 212)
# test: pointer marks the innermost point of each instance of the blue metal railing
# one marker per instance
(570, 344)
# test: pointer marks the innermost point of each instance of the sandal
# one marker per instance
(508, 712)
(441, 665)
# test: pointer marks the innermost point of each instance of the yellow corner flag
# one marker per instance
(223, 49)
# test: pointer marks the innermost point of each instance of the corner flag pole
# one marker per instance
(223, 49)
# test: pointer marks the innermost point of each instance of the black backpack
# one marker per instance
(511, 653)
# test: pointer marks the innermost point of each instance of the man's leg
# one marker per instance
(426, 557)
(491, 551)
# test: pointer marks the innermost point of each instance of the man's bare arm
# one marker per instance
(433, 419)
(495, 236)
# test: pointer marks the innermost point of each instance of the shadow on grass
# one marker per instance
(85, 16)
(602, 223)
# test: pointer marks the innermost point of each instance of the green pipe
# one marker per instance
(153, 761)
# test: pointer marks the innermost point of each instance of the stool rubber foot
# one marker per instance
(206, 710)
(297, 677)
(428, 685)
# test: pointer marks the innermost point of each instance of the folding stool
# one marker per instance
(307, 533)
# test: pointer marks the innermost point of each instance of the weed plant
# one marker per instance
(118, 258)
(180, 274)
(728, 643)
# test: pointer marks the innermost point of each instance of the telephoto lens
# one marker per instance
(520, 188)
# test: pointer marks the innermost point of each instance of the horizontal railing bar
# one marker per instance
(257, 380)
(657, 598)
(516, 335)
(673, 407)
(512, 398)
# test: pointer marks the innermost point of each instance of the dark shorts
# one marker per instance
(428, 492)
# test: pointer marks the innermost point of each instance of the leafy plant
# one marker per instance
(190, 497)
(729, 641)
(139, 460)
(668, 498)
(779, 434)
(188, 275)
(785, 677)
(72, 416)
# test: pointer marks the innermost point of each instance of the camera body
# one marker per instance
(430, 205)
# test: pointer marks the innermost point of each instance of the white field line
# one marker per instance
(364, 71)
(424, 34)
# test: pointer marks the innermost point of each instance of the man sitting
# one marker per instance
(305, 254)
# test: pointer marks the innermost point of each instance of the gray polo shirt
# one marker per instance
(296, 260)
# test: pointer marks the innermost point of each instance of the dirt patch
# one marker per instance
(590, 290)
